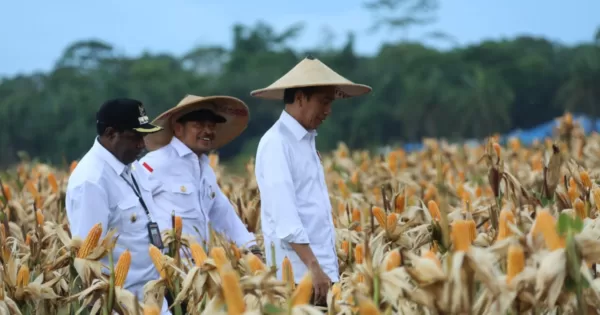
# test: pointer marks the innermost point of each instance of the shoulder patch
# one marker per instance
(150, 169)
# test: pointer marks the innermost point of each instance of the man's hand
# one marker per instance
(321, 284)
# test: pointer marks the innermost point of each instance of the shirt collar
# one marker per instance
(294, 126)
(109, 158)
(180, 147)
(183, 150)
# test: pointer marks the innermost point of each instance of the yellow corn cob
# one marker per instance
(178, 226)
(234, 297)
(359, 254)
(580, 208)
(288, 273)
(7, 193)
(461, 235)
(345, 247)
(303, 292)
(573, 193)
(497, 149)
(515, 262)
(255, 263)
(504, 231)
(198, 253)
(399, 203)
(157, 260)
(218, 255)
(122, 268)
(356, 218)
(91, 241)
(151, 310)
(236, 251)
(545, 224)
(53, 183)
(379, 215)
(343, 189)
(72, 166)
(31, 189)
(393, 260)
(472, 229)
(39, 217)
(366, 307)
(3, 234)
(23, 276)
(460, 190)
(392, 221)
(596, 196)
(434, 210)
(585, 179)
(354, 178)
(392, 162)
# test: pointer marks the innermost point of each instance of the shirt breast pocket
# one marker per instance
(133, 217)
(183, 197)
(207, 194)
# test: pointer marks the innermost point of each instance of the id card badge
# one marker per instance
(154, 234)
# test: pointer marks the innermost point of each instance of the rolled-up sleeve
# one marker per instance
(87, 205)
(224, 219)
(278, 193)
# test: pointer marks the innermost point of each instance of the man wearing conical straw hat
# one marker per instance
(295, 207)
(178, 158)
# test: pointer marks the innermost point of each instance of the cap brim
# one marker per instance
(148, 128)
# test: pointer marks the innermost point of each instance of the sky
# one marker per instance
(34, 43)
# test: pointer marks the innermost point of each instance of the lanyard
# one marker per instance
(137, 191)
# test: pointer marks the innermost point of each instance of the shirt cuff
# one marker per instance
(297, 236)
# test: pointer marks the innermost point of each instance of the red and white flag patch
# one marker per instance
(150, 169)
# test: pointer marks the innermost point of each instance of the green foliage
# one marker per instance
(567, 224)
(418, 91)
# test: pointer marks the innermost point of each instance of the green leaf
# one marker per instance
(272, 309)
(577, 225)
(564, 223)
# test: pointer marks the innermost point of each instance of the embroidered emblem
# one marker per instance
(133, 218)
(183, 189)
(143, 119)
(150, 169)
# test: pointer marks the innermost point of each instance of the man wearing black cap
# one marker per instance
(109, 187)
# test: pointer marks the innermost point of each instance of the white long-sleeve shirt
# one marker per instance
(96, 193)
(193, 193)
(295, 206)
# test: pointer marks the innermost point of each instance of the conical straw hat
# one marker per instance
(312, 72)
(232, 109)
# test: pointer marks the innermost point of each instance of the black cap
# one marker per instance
(125, 114)
(202, 115)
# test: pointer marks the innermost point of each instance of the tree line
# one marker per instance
(418, 91)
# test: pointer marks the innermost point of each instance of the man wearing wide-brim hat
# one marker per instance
(295, 207)
(178, 158)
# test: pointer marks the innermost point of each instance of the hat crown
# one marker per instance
(311, 71)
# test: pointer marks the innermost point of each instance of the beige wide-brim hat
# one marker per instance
(308, 73)
(234, 110)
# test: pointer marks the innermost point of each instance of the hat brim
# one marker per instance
(234, 112)
(148, 128)
(342, 91)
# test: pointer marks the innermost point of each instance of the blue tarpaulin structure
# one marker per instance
(529, 135)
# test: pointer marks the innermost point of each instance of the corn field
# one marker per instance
(452, 229)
